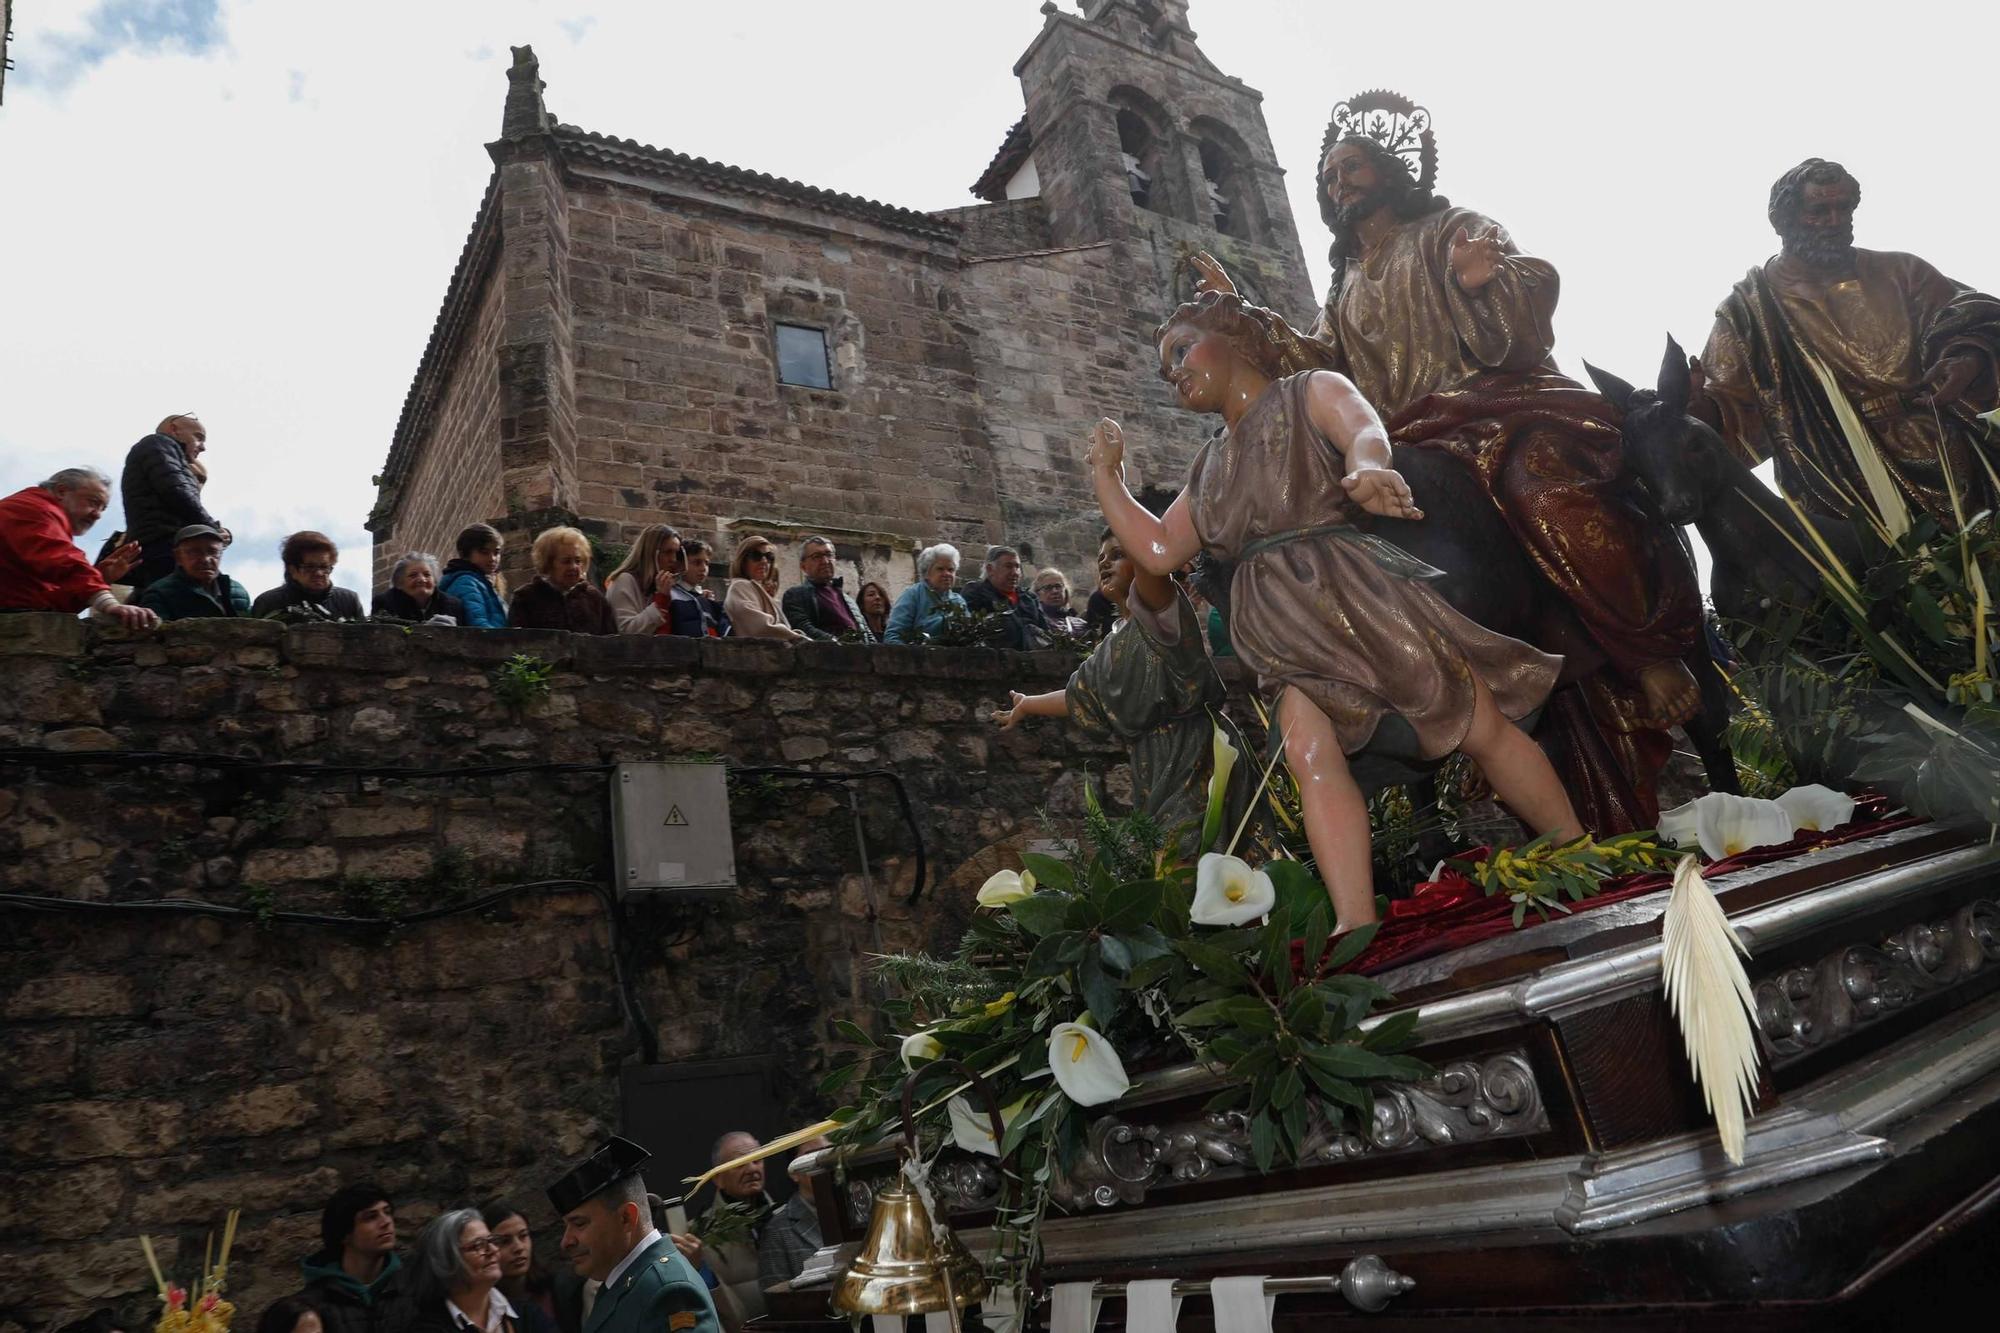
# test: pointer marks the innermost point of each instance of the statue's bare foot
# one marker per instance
(1672, 697)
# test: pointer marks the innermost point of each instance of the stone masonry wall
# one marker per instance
(682, 416)
(455, 479)
(158, 1068)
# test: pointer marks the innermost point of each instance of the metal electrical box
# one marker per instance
(670, 827)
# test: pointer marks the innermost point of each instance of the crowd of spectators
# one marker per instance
(168, 565)
(479, 1269)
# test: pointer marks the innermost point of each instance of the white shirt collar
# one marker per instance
(497, 1309)
(652, 1235)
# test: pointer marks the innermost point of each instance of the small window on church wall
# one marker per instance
(802, 357)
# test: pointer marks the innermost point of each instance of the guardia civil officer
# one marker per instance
(609, 1237)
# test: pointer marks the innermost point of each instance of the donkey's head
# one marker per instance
(1680, 460)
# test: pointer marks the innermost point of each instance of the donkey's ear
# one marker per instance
(1617, 390)
(1674, 383)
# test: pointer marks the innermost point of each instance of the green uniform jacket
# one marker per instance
(657, 1293)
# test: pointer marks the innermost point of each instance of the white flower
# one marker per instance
(920, 1046)
(1006, 886)
(972, 1130)
(1086, 1067)
(1227, 892)
(1815, 809)
(1723, 825)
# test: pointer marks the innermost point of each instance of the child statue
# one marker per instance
(1150, 684)
(1339, 625)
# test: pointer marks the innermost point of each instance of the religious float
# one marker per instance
(1740, 1058)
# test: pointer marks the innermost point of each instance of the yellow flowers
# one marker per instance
(1006, 886)
(1085, 1065)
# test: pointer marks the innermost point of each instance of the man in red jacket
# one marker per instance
(42, 568)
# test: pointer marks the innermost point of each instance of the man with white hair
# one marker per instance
(736, 1219)
(41, 566)
(162, 493)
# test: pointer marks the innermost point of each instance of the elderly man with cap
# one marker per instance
(197, 587)
(609, 1238)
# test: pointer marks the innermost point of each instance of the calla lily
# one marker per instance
(972, 1130)
(1227, 892)
(1086, 1066)
(995, 1008)
(920, 1046)
(1814, 808)
(1223, 763)
(1006, 886)
(1723, 825)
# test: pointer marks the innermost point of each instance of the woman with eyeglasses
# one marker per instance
(458, 1278)
(523, 1282)
(751, 606)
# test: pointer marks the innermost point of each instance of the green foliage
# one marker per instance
(1107, 934)
(1888, 677)
(522, 679)
(605, 557)
(1537, 876)
(264, 902)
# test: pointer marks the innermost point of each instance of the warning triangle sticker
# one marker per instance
(675, 819)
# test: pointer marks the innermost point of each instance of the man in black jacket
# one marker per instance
(1027, 627)
(356, 1279)
(820, 608)
(162, 494)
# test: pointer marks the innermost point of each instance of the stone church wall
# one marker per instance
(456, 478)
(681, 416)
(157, 1069)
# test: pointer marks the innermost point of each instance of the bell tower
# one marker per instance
(1134, 138)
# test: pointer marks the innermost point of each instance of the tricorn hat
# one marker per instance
(617, 1159)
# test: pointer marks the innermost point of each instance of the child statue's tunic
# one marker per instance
(1344, 616)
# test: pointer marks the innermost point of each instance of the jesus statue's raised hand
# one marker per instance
(1476, 258)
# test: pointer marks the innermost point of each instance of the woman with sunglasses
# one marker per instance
(753, 612)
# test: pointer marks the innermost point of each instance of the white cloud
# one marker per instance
(260, 228)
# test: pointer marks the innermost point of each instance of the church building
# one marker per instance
(634, 336)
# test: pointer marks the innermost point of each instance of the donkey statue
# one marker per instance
(1753, 538)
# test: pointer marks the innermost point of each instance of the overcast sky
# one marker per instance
(250, 208)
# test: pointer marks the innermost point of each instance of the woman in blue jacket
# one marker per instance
(470, 577)
(924, 605)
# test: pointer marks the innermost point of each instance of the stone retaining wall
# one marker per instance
(157, 1069)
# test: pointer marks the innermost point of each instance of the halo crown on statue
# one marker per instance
(1395, 122)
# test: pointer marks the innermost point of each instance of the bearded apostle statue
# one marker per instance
(1915, 355)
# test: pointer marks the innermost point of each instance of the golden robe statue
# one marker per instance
(1471, 374)
(1878, 330)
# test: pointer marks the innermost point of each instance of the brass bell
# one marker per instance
(900, 1270)
(903, 1267)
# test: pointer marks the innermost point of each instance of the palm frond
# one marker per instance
(1709, 993)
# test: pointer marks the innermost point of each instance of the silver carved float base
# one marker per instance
(1806, 1009)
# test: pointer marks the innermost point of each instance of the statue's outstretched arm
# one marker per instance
(1156, 545)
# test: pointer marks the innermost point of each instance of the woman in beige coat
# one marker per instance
(753, 611)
